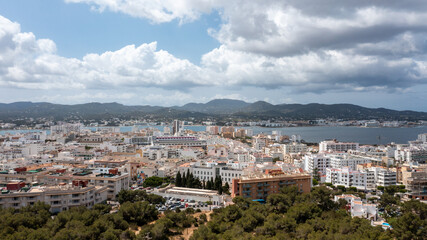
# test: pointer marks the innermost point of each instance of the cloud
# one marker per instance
(315, 72)
(284, 28)
(300, 46)
(157, 11)
(27, 62)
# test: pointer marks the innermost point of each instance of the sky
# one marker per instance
(171, 52)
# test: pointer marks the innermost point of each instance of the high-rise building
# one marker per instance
(176, 128)
(214, 130)
(227, 129)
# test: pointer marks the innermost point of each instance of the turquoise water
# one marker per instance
(315, 134)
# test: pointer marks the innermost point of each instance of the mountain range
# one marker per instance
(218, 109)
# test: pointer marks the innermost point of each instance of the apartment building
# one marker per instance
(184, 141)
(345, 160)
(416, 183)
(335, 146)
(25, 176)
(259, 143)
(294, 147)
(317, 161)
(261, 186)
(60, 197)
(91, 140)
(383, 176)
(114, 182)
(214, 130)
(386, 178)
(350, 178)
(227, 129)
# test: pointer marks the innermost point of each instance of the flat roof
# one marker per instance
(191, 191)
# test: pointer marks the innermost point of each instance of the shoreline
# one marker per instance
(308, 126)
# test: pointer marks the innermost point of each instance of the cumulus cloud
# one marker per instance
(283, 28)
(27, 62)
(300, 45)
(316, 71)
(288, 27)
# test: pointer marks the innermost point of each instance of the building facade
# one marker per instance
(261, 187)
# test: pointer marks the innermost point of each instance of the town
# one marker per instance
(72, 165)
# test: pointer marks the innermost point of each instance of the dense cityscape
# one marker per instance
(213, 120)
(204, 173)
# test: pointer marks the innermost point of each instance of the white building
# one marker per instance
(386, 178)
(208, 172)
(422, 137)
(249, 132)
(198, 195)
(381, 176)
(228, 174)
(59, 198)
(317, 161)
(364, 210)
(345, 160)
(65, 128)
(335, 146)
(259, 143)
(358, 208)
(294, 147)
(348, 178)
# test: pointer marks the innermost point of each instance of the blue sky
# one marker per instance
(77, 30)
(174, 52)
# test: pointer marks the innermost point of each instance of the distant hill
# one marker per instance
(219, 108)
(337, 111)
(79, 111)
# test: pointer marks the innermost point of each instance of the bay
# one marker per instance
(309, 134)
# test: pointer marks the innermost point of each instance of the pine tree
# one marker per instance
(190, 183)
(183, 180)
(197, 183)
(203, 184)
(188, 178)
(178, 180)
(209, 184)
(217, 184)
(226, 188)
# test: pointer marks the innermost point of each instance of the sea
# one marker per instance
(313, 134)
